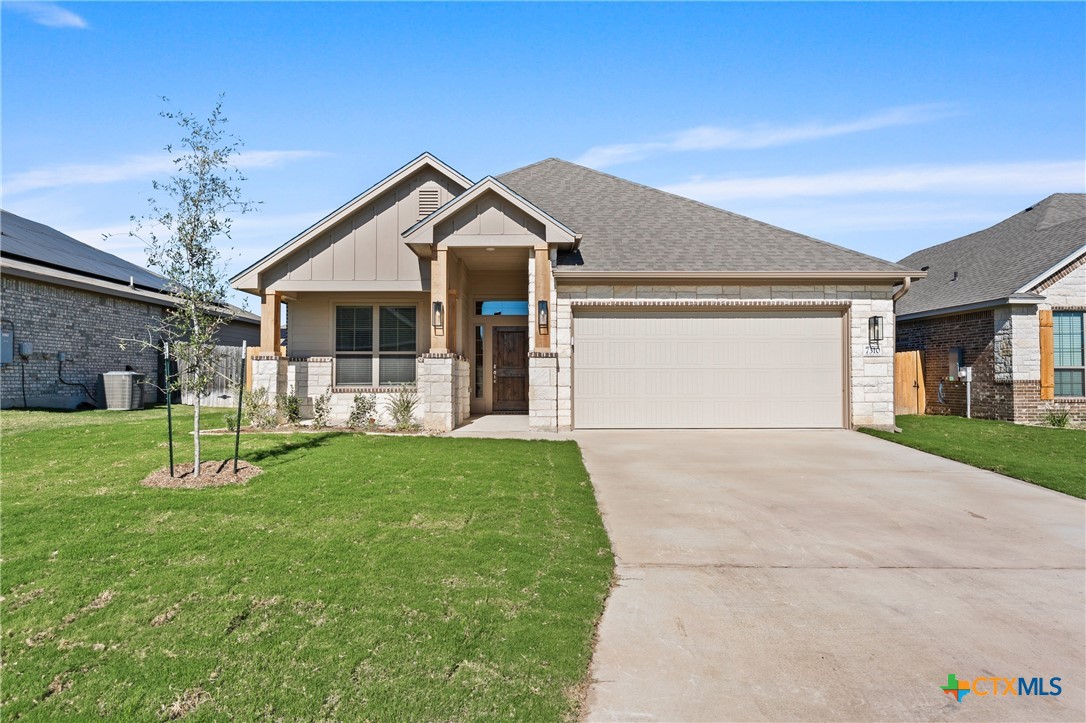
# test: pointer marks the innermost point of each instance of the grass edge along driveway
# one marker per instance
(1044, 456)
(359, 577)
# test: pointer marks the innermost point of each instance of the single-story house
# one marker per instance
(581, 299)
(1009, 302)
(63, 297)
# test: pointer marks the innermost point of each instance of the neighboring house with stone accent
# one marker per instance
(1011, 298)
(580, 299)
(64, 297)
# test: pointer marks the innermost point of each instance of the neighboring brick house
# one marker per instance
(1012, 298)
(63, 296)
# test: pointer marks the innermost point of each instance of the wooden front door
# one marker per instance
(510, 369)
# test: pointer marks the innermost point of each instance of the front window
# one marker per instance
(396, 362)
(1070, 366)
(354, 346)
(385, 352)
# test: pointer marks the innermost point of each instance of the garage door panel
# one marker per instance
(708, 369)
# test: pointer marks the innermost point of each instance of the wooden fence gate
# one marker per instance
(228, 364)
(909, 392)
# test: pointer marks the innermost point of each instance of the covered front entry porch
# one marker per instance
(490, 348)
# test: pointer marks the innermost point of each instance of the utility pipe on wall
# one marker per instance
(967, 377)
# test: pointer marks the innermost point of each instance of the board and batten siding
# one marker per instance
(366, 246)
(490, 215)
(311, 319)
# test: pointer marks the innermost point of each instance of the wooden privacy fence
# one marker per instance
(228, 364)
(908, 383)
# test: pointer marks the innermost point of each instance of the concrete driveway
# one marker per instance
(828, 575)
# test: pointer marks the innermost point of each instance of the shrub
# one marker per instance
(362, 411)
(401, 407)
(322, 409)
(230, 421)
(289, 406)
(258, 409)
(1056, 417)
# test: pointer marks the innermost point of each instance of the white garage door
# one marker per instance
(708, 369)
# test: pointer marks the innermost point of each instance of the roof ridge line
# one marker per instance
(1018, 215)
(531, 165)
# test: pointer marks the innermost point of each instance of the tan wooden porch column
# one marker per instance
(439, 292)
(542, 293)
(270, 323)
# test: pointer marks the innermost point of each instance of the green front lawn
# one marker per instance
(1053, 458)
(359, 577)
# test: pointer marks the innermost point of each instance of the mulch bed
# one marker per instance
(212, 474)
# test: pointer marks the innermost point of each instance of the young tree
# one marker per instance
(190, 214)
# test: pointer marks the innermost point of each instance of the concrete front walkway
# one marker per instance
(503, 426)
(828, 575)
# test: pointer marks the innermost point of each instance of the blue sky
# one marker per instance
(883, 127)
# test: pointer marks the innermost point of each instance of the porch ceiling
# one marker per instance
(500, 259)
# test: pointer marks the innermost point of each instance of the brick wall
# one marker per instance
(84, 325)
(975, 334)
(1029, 408)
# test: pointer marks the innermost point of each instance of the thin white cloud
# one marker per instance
(48, 14)
(711, 138)
(1033, 177)
(253, 235)
(133, 168)
(822, 216)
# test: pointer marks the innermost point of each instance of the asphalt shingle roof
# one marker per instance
(999, 261)
(33, 241)
(626, 226)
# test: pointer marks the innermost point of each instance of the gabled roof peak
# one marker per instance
(248, 276)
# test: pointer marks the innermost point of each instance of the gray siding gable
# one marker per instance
(366, 246)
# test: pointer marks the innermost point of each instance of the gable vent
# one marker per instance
(429, 200)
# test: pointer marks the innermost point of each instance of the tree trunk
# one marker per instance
(196, 434)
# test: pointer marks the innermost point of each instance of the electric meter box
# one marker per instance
(956, 360)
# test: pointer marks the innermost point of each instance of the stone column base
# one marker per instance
(543, 391)
(437, 388)
(270, 372)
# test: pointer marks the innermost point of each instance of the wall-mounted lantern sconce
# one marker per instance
(543, 317)
(874, 329)
(439, 315)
